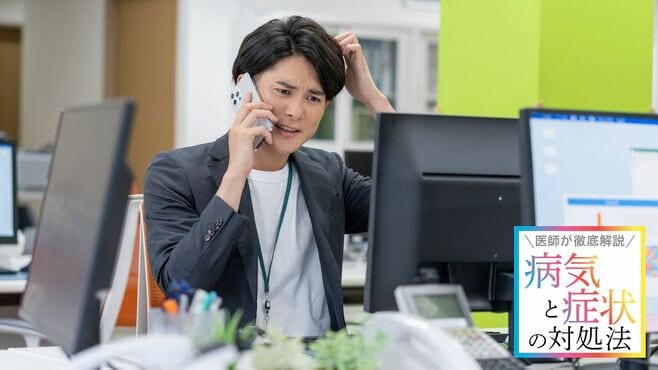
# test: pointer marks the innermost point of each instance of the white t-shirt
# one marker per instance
(297, 299)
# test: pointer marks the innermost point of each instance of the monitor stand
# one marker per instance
(505, 293)
(639, 363)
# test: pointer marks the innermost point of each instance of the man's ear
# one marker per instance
(239, 77)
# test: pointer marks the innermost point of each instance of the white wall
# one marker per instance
(11, 12)
(63, 63)
(363, 12)
(203, 69)
(209, 34)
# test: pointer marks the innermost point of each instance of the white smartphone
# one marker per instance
(244, 86)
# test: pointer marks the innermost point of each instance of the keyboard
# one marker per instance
(489, 354)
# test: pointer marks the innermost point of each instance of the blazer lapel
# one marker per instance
(314, 182)
(247, 243)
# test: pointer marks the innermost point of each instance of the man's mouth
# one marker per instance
(286, 129)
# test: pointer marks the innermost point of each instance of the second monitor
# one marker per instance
(80, 224)
(444, 203)
(8, 216)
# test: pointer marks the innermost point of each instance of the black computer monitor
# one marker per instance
(8, 213)
(81, 219)
(360, 161)
(444, 202)
(596, 169)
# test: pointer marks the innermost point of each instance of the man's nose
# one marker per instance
(295, 108)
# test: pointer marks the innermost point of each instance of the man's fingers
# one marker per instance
(260, 131)
(248, 107)
(351, 39)
(342, 36)
(255, 114)
(349, 45)
(352, 49)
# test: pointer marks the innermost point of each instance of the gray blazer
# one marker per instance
(194, 235)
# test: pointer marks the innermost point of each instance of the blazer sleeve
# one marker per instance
(356, 193)
(183, 243)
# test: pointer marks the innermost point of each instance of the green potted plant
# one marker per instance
(335, 351)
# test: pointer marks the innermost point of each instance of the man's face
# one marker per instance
(292, 87)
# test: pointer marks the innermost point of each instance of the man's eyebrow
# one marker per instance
(291, 87)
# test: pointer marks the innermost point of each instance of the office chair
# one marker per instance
(115, 296)
(30, 335)
(149, 293)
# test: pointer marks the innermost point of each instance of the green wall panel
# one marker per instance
(596, 54)
(497, 56)
(488, 56)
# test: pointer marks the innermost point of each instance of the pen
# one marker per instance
(183, 301)
(214, 306)
(197, 301)
(170, 306)
(210, 298)
(179, 288)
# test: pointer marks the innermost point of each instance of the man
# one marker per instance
(265, 228)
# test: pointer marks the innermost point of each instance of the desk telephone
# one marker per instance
(433, 331)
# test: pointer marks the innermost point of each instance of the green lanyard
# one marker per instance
(267, 273)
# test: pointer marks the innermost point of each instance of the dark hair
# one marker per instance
(295, 35)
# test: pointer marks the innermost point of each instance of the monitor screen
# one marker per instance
(8, 220)
(594, 169)
(443, 206)
(79, 227)
(438, 306)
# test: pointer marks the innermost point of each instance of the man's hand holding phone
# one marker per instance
(243, 87)
(244, 131)
(241, 138)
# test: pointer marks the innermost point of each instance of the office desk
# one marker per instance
(52, 358)
(11, 288)
(354, 274)
(32, 358)
(353, 280)
(13, 283)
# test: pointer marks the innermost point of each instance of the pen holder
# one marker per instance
(200, 327)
